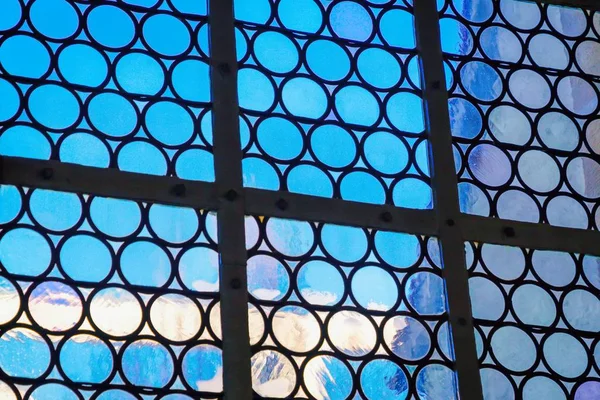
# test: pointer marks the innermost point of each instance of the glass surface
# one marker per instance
(337, 311)
(523, 83)
(330, 100)
(107, 298)
(121, 84)
(537, 318)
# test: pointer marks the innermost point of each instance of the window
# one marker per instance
(309, 199)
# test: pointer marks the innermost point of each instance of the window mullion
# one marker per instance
(446, 201)
(228, 172)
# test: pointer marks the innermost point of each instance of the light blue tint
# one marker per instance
(588, 391)
(358, 106)
(113, 217)
(320, 283)
(346, 244)
(50, 391)
(591, 269)
(304, 98)
(328, 375)
(56, 19)
(509, 125)
(85, 258)
(289, 237)
(426, 293)
(495, 385)
(558, 131)
(367, 278)
(555, 268)
(81, 64)
(384, 379)
(465, 119)
(119, 33)
(402, 330)
(386, 152)
(565, 355)
(241, 43)
(166, 35)
(397, 28)
(112, 114)
(202, 366)
(532, 90)
(11, 14)
(506, 263)
(84, 149)
(256, 11)
(328, 60)
(276, 52)
(24, 56)
(413, 193)
(268, 278)
(487, 299)
(542, 387)
(24, 141)
(9, 100)
(481, 81)
(23, 354)
(569, 21)
(142, 3)
(55, 211)
(511, 48)
(116, 394)
(405, 112)
(397, 249)
(11, 201)
(173, 224)
(280, 138)
(456, 37)
(533, 305)
(147, 363)
(195, 165)
(86, 359)
(259, 174)
(191, 81)
(196, 7)
(333, 145)
(436, 381)
(581, 309)
(145, 264)
(24, 251)
(169, 123)
(350, 20)
(473, 200)
(199, 269)
(513, 348)
(142, 157)
(255, 90)
(300, 15)
(362, 187)
(520, 14)
(379, 68)
(309, 180)
(490, 165)
(477, 11)
(139, 73)
(54, 106)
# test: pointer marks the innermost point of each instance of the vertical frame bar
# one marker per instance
(444, 182)
(237, 382)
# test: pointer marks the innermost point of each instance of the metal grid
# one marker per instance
(233, 202)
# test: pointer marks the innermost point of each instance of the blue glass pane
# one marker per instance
(316, 77)
(121, 85)
(96, 288)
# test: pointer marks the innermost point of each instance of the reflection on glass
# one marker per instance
(317, 326)
(93, 294)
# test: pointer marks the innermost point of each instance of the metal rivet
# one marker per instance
(462, 321)
(386, 216)
(436, 85)
(231, 195)
(235, 283)
(509, 231)
(450, 222)
(282, 204)
(178, 190)
(47, 173)
(224, 69)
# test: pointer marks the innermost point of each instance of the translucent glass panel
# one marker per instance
(523, 81)
(330, 100)
(121, 84)
(537, 319)
(106, 298)
(346, 313)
